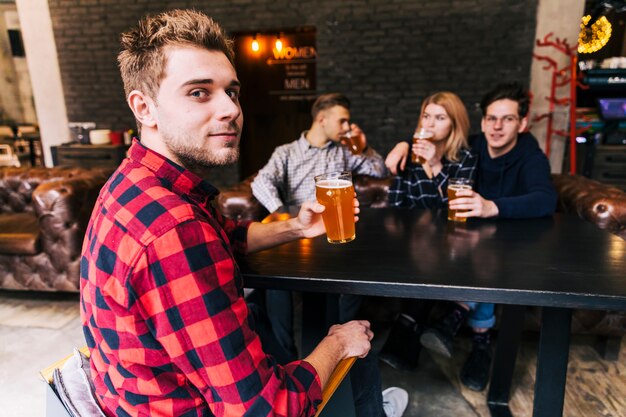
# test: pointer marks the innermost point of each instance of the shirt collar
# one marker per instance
(180, 178)
(305, 145)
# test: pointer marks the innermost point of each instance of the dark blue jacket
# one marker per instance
(518, 182)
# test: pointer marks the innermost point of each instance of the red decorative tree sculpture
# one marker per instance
(561, 77)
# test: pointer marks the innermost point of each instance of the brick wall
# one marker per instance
(387, 55)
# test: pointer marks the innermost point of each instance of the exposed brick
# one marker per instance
(405, 50)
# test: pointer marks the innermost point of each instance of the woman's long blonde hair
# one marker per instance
(460, 121)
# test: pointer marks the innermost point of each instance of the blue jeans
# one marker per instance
(481, 315)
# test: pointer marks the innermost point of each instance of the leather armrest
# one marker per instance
(63, 208)
(238, 203)
(371, 191)
(599, 203)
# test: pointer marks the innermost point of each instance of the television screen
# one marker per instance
(612, 108)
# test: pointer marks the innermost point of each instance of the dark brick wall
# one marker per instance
(387, 55)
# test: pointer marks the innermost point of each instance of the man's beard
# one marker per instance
(191, 153)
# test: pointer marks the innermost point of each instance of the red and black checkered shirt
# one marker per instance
(162, 304)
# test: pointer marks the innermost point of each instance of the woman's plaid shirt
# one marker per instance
(162, 304)
(412, 188)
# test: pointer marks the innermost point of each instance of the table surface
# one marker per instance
(559, 261)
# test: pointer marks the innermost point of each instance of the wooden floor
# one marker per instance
(595, 387)
(36, 330)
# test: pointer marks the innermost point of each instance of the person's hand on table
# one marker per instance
(397, 157)
(471, 204)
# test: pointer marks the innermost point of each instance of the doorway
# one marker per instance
(18, 119)
(278, 87)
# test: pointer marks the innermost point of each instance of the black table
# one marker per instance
(557, 263)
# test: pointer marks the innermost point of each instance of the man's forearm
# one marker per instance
(265, 235)
(325, 358)
(371, 163)
(491, 209)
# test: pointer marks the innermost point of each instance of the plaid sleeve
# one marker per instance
(185, 287)
(237, 231)
(465, 168)
(368, 163)
(265, 186)
(398, 193)
(412, 188)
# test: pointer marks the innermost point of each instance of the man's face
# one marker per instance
(501, 124)
(335, 121)
(197, 108)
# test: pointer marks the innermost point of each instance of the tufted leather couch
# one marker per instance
(238, 202)
(43, 216)
(598, 203)
(601, 204)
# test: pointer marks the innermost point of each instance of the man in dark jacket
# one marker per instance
(512, 181)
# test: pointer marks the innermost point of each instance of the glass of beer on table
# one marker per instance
(424, 134)
(353, 141)
(336, 192)
(455, 185)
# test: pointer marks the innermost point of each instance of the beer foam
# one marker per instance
(333, 184)
(459, 187)
(424, 135)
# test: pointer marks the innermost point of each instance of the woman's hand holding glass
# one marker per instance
(427, 150)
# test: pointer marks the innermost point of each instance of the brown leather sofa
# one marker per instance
(43, 217)
(598, 203)
(601, 204)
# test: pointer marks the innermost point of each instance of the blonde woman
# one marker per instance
(425, 185)
(447, 155)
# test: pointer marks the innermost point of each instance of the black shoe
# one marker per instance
(475, 372)
(438, 342)
(402, 348)
(440, 338)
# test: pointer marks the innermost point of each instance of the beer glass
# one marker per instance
(420, 134)
(455, 185)
(354, 142)
(336, 192)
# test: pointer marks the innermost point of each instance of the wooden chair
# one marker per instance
(334, 381)
(56, 408)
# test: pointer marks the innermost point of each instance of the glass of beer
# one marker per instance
(336, 192)
(420, 134)
(354, 142)
(455, 185)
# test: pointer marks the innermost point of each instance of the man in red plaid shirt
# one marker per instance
(162, 304)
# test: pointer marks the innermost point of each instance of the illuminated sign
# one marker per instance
(282, 62)
(288, 52)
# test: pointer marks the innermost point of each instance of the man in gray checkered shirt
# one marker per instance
(287, 179)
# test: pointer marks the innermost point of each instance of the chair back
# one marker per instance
(73, 388)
